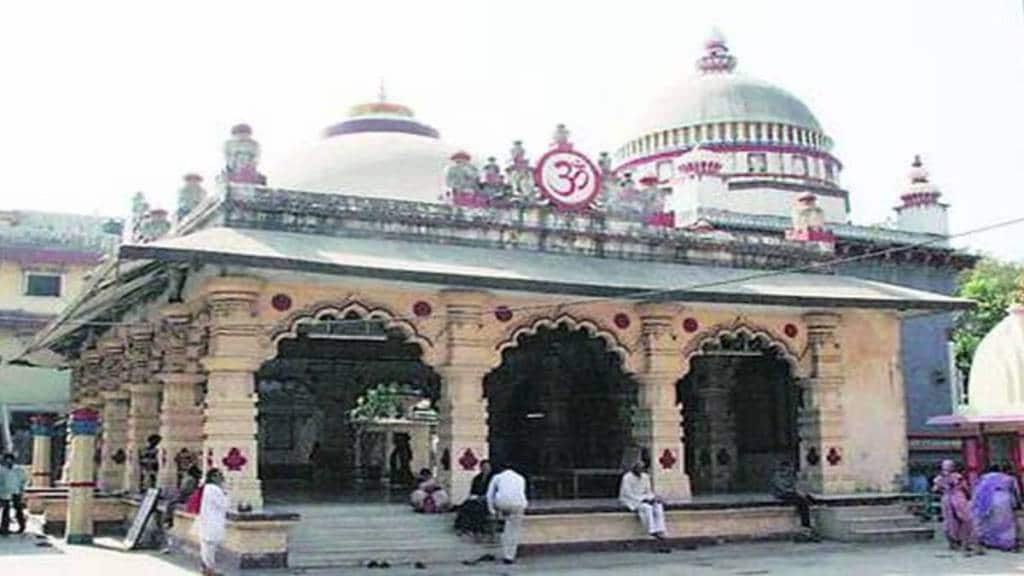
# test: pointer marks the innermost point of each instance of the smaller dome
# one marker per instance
(997, 371)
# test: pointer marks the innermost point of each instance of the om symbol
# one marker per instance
(574, 174)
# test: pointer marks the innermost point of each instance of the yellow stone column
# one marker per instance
(235, 354)
(823, 465)
(657, 425)
(462, 429)
(114, 441)
(144, 401)
(181, 417)
(83, 424)
(42, 451)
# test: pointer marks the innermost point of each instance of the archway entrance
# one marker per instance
(346, 407)
(560, 411)
(740, 404)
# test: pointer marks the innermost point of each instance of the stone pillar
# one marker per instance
(42, 446)
(78, 392)
(823, 466)
(181, 418)
(114, 441)
(462, 430)
(234, 356)
(144, 402)
(83, 424)
(721, 427)
(657, 426)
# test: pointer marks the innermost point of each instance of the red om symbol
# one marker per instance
(574, 174)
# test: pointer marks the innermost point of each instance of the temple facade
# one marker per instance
(697, 299)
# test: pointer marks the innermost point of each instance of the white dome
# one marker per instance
(997, 371)
(724, 97)
(380, 152)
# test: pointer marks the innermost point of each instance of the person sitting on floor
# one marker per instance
(472, 515)
(429, 497)
(637, 494)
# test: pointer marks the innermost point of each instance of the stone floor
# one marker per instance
(32, 555)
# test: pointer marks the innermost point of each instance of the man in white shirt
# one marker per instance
(213, 513)
(506, 495)
(637, 494)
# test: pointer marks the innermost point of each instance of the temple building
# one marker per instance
(697, 299)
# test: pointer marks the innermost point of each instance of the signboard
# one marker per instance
(567, 179)
(131, 540)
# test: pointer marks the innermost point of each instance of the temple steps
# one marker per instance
(354, 535)
(885, 523)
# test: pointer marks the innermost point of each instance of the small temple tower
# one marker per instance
(699, 182)
(242, 157)
(921, 210)
(809, 222)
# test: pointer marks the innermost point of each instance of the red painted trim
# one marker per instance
(40, 473)
(81, 484)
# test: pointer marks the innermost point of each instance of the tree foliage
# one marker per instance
(994, 286)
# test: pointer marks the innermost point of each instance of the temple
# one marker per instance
(698, 298)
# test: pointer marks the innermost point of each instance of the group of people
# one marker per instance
(13, 481)
(979, 516)
(500, 492)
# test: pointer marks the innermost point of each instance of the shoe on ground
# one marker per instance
(507, 561)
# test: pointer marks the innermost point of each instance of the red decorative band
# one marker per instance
(40, 473)
(81, 484)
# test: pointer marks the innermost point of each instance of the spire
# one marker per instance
(716, 58)
(920, 191)
(382, 95)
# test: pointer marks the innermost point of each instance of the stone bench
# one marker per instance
(255, 540)
(607, 525)
(109, 513)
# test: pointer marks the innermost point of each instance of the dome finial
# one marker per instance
(716, 58)
(382, 95)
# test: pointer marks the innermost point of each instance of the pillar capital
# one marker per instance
(822, 322)
(42, 425)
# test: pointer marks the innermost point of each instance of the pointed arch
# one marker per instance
(591, 328)
(288, 327)
(740, 334)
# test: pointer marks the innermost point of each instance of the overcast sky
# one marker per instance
(101, 99)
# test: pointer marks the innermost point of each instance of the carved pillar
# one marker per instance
(82, 425)
(463, 427)
(181, 417)
(144, 401)
(114, 450)
(716, 429)
(823, 466)
(234, 355)
(114, 431)
(42, 446)
(657, 426)
(80, 374)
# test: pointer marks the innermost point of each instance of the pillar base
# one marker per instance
(79, 539)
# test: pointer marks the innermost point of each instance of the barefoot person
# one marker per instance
(637, 494)
(213, 512)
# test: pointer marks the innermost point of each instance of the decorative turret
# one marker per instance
(190, 195)
(242, 157)
(140, 210)
(462, 179)
(698, 181)
(520, 173)
(809, 221)
(921, 210)
(716, 58)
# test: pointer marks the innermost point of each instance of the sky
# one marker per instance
(103, 99)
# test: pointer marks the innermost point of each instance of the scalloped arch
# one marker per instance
(592, 329)
(287, 328)
(715, 333)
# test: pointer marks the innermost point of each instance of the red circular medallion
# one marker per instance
(622, 320)
(502, 313)
(422, 309)
(690, 325)
(281, 302)
(791, 330)
(568, 179)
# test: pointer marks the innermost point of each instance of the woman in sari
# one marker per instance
(956, 507)
(429, 497)
(473, 514)
(995, 498)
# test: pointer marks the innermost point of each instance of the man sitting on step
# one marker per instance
(784, 488)
(637, 494)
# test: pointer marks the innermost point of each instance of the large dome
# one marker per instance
(714, 98)
(381, 151)
(997, 370)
